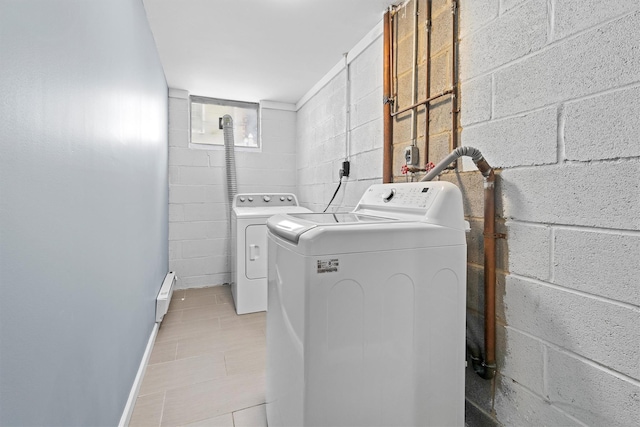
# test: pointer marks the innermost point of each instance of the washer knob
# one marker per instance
(388, 194)
(251, 199)
(242, 199)
(266, 199)
(282, 198)
(289, 198)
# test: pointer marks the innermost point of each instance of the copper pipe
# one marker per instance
(454, 79)
(485, 368)
(393, 36)
(489, 365)
(417, 104)
(388, 21)
(414, 69)
(427, 82)
(387, 150)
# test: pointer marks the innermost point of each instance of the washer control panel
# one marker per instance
(413, 195)
(432, 202)
(248, 200)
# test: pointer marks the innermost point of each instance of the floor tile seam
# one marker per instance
(191, 328)
(209, 418)
(164, 398)
(184, 358)
(249, 407)
(219, 340)
(200, 380)
(212, 289)
(141, 394)
(190, 307)
(185, 337)
(186, 322)
(238, 322)
(201, 294)
(200, 301)
(242, 320)
(244, 409)
(249, 356)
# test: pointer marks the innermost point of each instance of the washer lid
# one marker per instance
(388, 217)
(292, 226)
(362, 234)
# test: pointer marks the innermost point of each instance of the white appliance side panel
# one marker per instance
(386, 325)
(234, 256)
(255, 251)
(398, 358)
(442, 314)
(285, 328)
(343, 366)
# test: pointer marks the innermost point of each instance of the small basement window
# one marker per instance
(206, 122)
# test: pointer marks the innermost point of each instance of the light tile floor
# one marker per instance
(207, 365)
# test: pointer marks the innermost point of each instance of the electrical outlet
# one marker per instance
(411, 155)
(346, 166)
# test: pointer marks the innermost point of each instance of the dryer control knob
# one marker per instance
(282, 198)
(289, 198)
(242, 199)
(251, 199)
(266, 199)
(388, 195)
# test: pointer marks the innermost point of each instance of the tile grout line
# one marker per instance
(230, 326)
(164, 398)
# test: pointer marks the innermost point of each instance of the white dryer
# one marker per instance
(249, 246)
(366, 323)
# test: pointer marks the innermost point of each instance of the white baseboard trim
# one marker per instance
(135, 388)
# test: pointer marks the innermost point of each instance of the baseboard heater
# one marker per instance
(164, 296)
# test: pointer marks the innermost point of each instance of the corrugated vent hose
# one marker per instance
(230, 159)
(472, 152)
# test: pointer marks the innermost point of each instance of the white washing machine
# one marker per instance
(249, 246)
(366, 323)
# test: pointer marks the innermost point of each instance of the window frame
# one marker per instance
(225, 103)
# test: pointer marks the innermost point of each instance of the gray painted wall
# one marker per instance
(83, 207)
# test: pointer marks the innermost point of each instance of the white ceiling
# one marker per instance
(252, 50)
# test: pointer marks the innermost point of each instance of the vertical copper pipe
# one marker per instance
(485, 368)
(393, 37)
(414, 77)
(489, 276)
(454, 78)
(427, 82)
(387, 150)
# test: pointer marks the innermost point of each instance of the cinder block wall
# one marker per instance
(425, 85)
(550, 95)
(321, 140)
(198, 207)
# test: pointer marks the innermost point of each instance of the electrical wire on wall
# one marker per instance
(347, 129)
(334, 194)
(344, 172)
